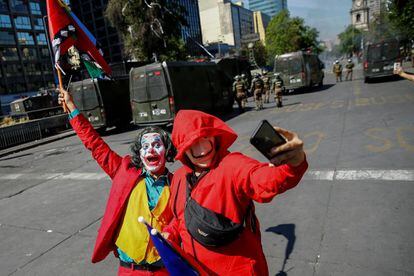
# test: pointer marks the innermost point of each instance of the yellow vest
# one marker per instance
(133, 237)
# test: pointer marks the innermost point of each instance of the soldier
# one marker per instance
(349, 69)
(247, 85)
(337, 70)
(277, 88)
(240, 92)
(266, 83)
(257, 89)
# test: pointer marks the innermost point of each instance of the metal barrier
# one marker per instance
(31, 130)
(19, 134)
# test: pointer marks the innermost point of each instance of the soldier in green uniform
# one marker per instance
(349, 69)
(240, 92)
(277, 88)
(337, 70)
(266, 87)
(257, 89)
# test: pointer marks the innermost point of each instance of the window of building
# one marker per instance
(35, 8)
(29, 54)
(7, 38)
(22, 22)
(33, 69)
(358, 18)
(8, 54)
(13, 70)
(3, 6)
(19, 5)
(25, 38)
(44, 53)
(38, 23)
(41, 39)
(5, 21)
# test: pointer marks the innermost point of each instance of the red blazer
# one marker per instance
(124, 178)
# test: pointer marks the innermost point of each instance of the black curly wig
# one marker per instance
(165, 137)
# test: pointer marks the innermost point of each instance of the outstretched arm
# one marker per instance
(107, 159)
(399, 71)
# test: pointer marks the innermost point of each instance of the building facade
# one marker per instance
(91, 13)
(364, 12)
(269, 7)
(225, 22)
(261, 20)
(191, 33)
(25, 61)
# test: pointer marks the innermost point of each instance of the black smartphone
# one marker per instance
(265, 137)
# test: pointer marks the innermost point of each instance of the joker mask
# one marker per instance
(152, 153)
(202, 152)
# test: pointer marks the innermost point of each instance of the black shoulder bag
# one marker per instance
(206, 226)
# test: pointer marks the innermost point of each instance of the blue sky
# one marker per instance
(328, 16)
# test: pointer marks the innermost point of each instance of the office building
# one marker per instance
(261, 20)
(225, 22)
(25, 61)
(191, 33)
(269, 7)
(91, 13)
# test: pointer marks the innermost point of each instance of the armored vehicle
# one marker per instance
(105, 103)
(379, 58)
(159, 90)
(35, 107)
(299, 70)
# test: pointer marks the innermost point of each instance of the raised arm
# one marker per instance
(107, 159)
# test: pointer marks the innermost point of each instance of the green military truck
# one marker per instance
(299, 70)
(105, 103)
(159, 90)
(379, 58)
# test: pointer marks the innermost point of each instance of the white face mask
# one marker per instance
(202, 152)
(152, 153)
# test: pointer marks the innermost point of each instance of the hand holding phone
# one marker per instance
(280, 146)
(397, 68)
(265, 137)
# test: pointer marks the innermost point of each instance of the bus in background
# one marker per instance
(379, 58)
(159, 90)
(299, 70)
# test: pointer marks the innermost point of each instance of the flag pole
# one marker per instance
(65, 107)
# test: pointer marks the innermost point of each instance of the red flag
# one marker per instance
(66, 30)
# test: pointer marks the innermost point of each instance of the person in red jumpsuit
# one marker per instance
(227, 183)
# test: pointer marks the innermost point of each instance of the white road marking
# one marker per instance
(328, 175)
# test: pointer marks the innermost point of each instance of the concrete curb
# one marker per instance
(36, 143)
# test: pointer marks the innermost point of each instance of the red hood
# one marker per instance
(190, 125)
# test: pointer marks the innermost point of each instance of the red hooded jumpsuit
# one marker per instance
(228, 188)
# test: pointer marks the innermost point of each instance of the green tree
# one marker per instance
(149, 30)
(401, 15)
(285, 34)
(350, 41)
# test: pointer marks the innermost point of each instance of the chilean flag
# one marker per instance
(176, 261)
(66, 30)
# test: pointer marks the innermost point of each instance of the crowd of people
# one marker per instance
(213, 187)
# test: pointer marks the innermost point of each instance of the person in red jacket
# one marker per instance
(225, 183)
(140, 187)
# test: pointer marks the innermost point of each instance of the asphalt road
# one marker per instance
(352, 214)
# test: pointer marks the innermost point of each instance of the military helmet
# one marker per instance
(243, 75)
(236, 77)
(349, 60)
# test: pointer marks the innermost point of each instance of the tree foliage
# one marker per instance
(285, 34)
(401, 14)
(350, 41)
(149, 31)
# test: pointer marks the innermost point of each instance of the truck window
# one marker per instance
(155, 90)
(383, 51)
(288, 65)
